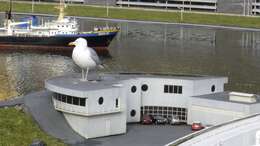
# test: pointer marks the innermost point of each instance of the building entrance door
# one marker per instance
(108, 127)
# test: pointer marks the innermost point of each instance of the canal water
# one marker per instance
(146, 47)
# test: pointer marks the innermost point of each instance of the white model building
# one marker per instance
(102, 107)
(214, 109)
(92, 109)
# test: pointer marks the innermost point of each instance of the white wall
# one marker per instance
(214, 112)
(255, 108)
(204, 86)
(109, 100)
(133, 100)
(155, 95)
(97, 126)
(237, 133)
(104, 119)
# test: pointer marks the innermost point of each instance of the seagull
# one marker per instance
(85, 57)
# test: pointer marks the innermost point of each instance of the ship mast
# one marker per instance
(8, 18)
(61, 7)
(9, 13)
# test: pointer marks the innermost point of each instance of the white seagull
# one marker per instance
(85, 57)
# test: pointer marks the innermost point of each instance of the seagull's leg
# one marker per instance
(82, 74)
(87, 74)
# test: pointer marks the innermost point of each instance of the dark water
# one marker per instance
(144, 47)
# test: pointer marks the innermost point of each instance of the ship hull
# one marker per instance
(99, 41)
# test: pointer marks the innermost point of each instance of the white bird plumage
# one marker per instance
(85, 57)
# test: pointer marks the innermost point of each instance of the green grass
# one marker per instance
(137, 14)
(18, 129)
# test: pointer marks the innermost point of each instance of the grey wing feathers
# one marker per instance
(94, 56)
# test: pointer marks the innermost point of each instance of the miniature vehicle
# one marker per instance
(196, 126)
(174, 120)
(147, 119)
(160, 120)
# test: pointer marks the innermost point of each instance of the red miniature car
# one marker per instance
(196, 126)
(147, 119)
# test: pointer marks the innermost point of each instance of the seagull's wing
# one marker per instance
(94, 56)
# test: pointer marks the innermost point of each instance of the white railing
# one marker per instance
(80, 110)
(70, 108)
(186, 6)
(221, 133)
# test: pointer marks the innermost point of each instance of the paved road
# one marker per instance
(144, 135)
(52, 122)
(12, 102)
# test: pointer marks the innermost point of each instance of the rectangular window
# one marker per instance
(75, 100)
(82, 101)
(166, 89)
(175, 89)
(180, 90)
(59, 97)
(69, 99)
(171, 89)
(117, 103)
(63, 98)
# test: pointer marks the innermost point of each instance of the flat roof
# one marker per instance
(166, 76)
(72, 85)
(224, 96)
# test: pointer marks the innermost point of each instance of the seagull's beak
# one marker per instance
(72, 44)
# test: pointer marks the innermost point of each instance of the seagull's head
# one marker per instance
(79, 42)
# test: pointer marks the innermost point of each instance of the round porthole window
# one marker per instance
(213, 88)
(133, 89)
(100, 100)
(132, 113)
(144, 87)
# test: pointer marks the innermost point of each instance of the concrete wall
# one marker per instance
(155, 95)
(100, 2)
(255, 108)
(204, 86)
(223, 6)
(237, 133)
(214, 112)
(109, 100)
(97, 126)
(133, 100)
(103, 119)
(234, 6)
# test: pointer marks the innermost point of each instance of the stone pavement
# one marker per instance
(12, 102)
(40, 106)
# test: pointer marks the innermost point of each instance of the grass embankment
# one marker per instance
(18, 129)
(138, 14)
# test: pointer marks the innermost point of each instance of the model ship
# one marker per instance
(55, 34)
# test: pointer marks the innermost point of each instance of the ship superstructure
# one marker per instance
(56, 34)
